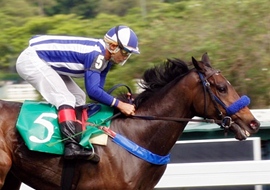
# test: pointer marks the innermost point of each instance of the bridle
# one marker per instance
(225, 121)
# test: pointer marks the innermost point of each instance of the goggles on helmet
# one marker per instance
(124, 51)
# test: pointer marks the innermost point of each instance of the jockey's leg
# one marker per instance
(68, 126)
(75, 90)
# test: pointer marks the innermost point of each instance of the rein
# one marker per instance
(225, 121)
(176, 119)
(156, 117)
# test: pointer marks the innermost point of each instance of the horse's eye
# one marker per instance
(222, 89)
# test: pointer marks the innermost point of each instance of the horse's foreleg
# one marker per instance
(11, 182)
(5, 165)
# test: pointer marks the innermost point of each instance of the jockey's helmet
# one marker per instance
(124, 37)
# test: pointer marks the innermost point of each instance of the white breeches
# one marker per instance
(55, 88)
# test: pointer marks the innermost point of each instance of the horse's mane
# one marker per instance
(154, 79)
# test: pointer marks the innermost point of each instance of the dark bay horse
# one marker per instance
(172, 90)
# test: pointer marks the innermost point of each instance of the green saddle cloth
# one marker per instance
(38, 125)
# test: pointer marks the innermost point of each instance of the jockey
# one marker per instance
(50, 62)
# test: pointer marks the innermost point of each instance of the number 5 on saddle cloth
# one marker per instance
(38, 125)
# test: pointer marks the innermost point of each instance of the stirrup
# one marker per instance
(94, 157)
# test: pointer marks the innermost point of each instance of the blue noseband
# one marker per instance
(236, 106)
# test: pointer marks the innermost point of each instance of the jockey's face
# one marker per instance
(119, 55)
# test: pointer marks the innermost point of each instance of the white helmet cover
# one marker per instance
(126, 36)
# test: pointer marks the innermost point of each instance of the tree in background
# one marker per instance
(116, 7)
(83, 8)
(236, 37)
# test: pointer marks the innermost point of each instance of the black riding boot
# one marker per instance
(68, 128)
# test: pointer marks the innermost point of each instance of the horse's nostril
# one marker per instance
(254, 124)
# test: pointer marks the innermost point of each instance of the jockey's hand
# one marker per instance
(129, 97)
(125, 108)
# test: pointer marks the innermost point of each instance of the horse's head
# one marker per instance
(222, 101)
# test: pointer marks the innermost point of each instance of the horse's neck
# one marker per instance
(159, 136)
(167, 132)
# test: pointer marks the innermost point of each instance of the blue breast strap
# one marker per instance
(140, 151)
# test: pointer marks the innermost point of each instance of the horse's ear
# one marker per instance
(197, 65)
(206, 59)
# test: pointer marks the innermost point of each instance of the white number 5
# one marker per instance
(47, 124)
(99, 62)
